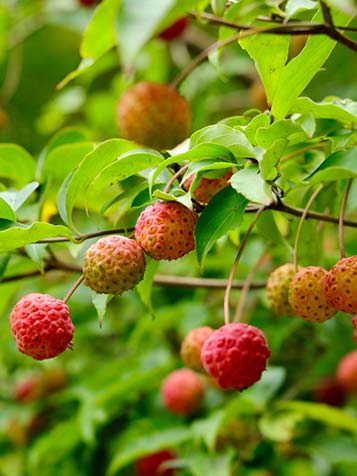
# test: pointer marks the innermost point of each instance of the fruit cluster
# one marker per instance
(313, 293)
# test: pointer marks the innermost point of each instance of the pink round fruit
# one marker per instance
(192, 345)
(182, 391)
(306, 295)
(41, 326)
(151, 464)
(154, 115)
(113, 264)
(346, 373)
(165, 230)
(340, 285)
(207, 187)
(235, 355)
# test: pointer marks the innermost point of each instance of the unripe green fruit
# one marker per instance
(113, 264)
(278, 289)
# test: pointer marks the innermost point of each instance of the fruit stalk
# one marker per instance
(341, 219)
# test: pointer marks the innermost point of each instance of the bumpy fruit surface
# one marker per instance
(154, 115)
(41, 326)
(208, 187)
(113, 265)
(165, 230)
(278, 289)
(150, 465)
(175, 30)
(346, 373)
(306, 295)
(340, 285)
(192, 345)
(182, 391)
(235, 355)
(330, 391)
(354, 323)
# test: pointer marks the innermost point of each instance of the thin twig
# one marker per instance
(174, 177)
(73, 288)
(87, 236)
(246, 287)
(303, 216)
(341, 220)
(235, 264)
(332, 32)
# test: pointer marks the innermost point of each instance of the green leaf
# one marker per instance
(264, 390)
(223, 213)
(76, 185)
(231, 138)
(218, 6)
(18, 236)
(346, 6)
(100, 35)
(16, 164)
(271, 158)
(284, 129)
(126, 165)
(270, 53)
(16, 199)
(59, 162)
(339, 165)
(150, 443)
(138, 21)
(220, 464)
(300, 70)
(280, 425)
(252, 186)
(100, 302)
(294, 7)
(333, 417)
(342, 110)
(6, 212)
(144, 288)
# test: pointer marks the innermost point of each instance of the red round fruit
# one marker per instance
(88, 3)
(29, 388)
(175, 30)
(340, 285)
(235, 355)
(182, 391)
(192, 345)
(41, 326)
(329, 391)
(154, 114)
(165, 230)
(150, 465)
(208, 187)
(346, 373)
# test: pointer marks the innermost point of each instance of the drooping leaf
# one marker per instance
(18, 198)
(223, 213)
(18, 236)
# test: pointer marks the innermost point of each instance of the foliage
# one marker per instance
(283, 114)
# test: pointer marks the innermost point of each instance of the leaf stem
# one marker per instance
(302, 219)
(235, 264)
(177, 174)
(341, 219)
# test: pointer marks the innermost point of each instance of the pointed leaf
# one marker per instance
(223, 213)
